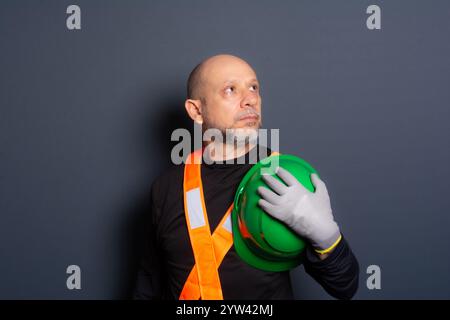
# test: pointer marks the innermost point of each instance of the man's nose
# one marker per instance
(249, 100)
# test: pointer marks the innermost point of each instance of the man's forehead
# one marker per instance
(234, 79)
(221, 69)
(229, 74)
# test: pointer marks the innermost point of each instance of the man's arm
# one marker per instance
(328, 258)
(338, 273)
(148, 283)
(150, 277)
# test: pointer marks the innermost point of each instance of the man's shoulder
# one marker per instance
(168, 183)
(168, 177)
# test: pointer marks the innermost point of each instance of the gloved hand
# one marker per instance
(308, 213)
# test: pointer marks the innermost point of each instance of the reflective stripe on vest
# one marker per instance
(209, 250)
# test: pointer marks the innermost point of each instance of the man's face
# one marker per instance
(231, 92)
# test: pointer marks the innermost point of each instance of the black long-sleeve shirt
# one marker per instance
(168, 258)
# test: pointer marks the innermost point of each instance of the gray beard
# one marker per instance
(236, 136)
(240, 137)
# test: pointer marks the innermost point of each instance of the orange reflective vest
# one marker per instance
(209, 250)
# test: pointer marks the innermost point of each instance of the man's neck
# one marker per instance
(221, 152)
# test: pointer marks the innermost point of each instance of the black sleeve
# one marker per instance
(150, 277)
(338, 274)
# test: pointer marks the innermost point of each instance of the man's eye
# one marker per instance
(229, 89)
(255, 87)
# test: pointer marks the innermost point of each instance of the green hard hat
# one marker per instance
(259, 239)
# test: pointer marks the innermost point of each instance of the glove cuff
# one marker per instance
(329, 244)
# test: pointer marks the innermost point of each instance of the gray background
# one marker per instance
(86, 118)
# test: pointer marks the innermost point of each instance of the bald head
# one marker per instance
(223, 93)
(206, 70)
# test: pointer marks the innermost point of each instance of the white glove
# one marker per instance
(308, 213)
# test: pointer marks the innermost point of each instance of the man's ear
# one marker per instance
(194, 109)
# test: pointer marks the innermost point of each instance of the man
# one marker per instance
(223, 93)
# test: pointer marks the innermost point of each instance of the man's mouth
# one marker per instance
(249, 117)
